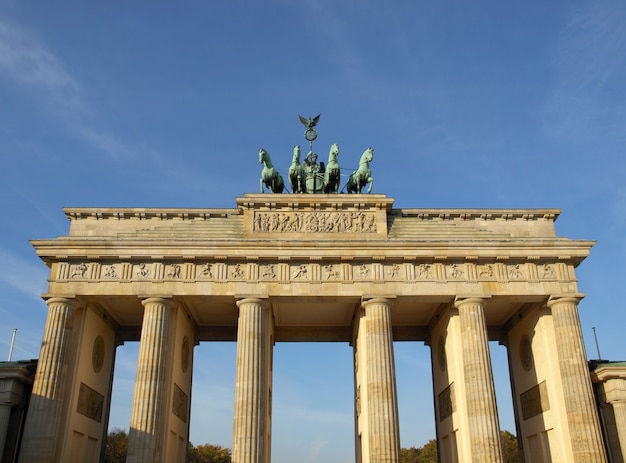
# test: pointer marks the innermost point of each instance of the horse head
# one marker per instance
(334, 152)
(368, 155)
(296, 155)
(262, 155)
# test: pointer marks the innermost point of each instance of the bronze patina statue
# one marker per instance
(270, 176)
(363, 175)
(311, 177)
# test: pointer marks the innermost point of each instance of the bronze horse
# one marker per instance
(270, 176)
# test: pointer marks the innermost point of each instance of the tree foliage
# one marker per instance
(116, 448)
(208, 453)
(428, 453)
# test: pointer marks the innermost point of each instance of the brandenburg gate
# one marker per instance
(314, 267)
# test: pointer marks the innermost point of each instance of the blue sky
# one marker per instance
(483, 104)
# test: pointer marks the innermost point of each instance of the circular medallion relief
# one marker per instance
(97, 354)
(184, 354)
(526, 352)
(441, 353)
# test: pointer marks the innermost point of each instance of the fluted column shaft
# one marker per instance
(582, 416)
(41, 434)
(382, 401)
(252, 378)
(482, 412)
(5, 415)
(619, 411)
(145, 442)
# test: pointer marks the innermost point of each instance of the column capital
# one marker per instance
(460, 301)
(377, 300)
(68, 300)
(252, 300)
(564, 299)
(167, 301)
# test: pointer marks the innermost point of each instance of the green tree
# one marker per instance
(410, 455)
(510, 450)
(116, 446)
(116, 449)
(428, 453)
(208, 453)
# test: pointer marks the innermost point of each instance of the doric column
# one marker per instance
(5, 415)
(251, 430)
(145, 442)
(482, 414)
(381, 397)
(619, 411)
(582, 416)
(44, 414)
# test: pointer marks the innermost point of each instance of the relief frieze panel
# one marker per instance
(315, 222)
(217, 271)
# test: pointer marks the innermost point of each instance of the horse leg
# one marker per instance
(371, 182)
(261, 183)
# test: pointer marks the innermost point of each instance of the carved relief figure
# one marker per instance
(394, 271)
(331, 273)
(315, 222)
(424, 271)
(515, 272)
(300, 272)
(79, 271)
(268, 272)
(456, 271)
(143, 271)
(206, 270)
(238, 272)
(364, 271)
(109, 272)
(174, 271)
(547, 272)
(486, 271)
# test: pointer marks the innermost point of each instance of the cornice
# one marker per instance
(143, 213)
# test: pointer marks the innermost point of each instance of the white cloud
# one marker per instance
(589, 58)
(318, 444)
(23, 275)
(28, 62)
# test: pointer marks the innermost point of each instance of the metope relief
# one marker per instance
(486, 272)
(110, 272)
(78, 271)
(301, 272)
(547, 272)
(237, 272)
(173, 271)
(315, 222)
(331, 272)
(516, 272)
(425, 271)
(456, 271)
(206, 271)
(268, 272)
